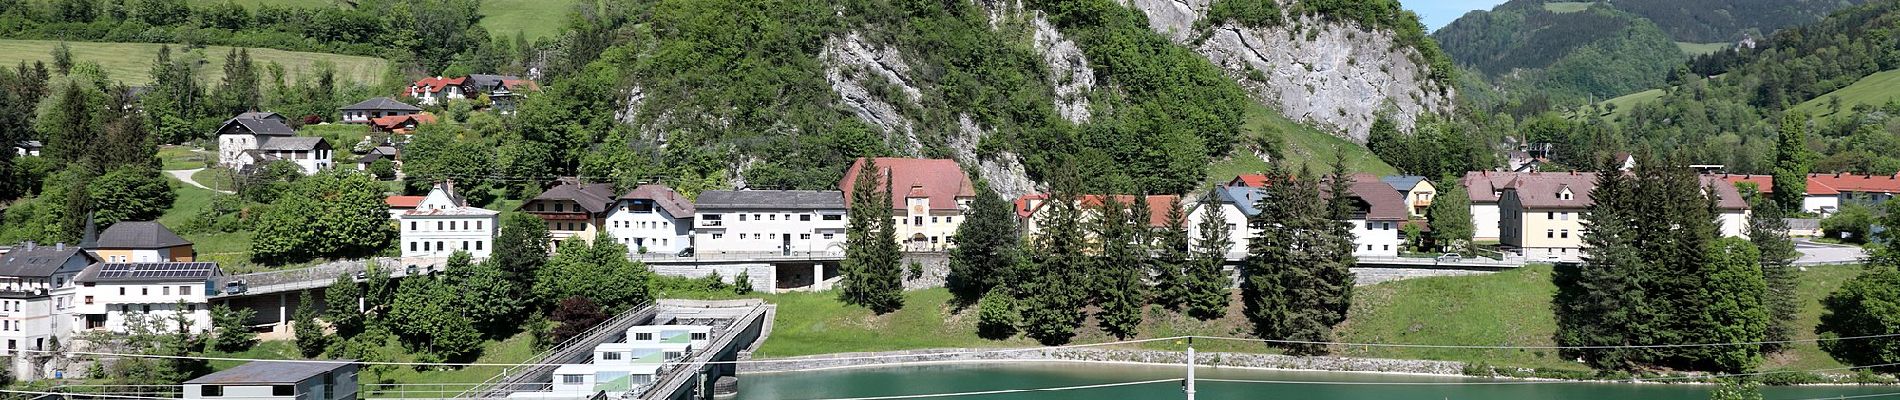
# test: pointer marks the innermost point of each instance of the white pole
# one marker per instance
(1190, 370)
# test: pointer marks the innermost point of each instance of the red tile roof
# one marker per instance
(1763, 183)
(394, 122)
(436, 83)
(942, 181)
(520, 84)
(1833, 184)
(403, 201)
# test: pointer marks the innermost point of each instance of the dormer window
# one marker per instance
(1565, 194)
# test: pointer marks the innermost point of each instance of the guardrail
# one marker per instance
(732, 257)
(506, 382)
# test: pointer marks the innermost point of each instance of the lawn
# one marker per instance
(1696, 49)
(215, 178)
(1510, 308)
(534, 18)
(132, 62)
(1626, 102)
(402, 381)
(1876, 89)
(1299, 143)
(231, 250)
(180, 157)
(1567, 7)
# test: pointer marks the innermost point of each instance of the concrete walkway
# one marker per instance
(184, 175)
(1824, 253)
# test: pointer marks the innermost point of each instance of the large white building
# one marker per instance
(1378, 212)
(111, 294)
(443, 223)
(36, 300)
(252, 139)
(769, 221)
(652, 219)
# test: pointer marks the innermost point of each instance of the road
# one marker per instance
(184, 175)
(1823, 253)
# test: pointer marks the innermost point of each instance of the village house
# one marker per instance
(1828, 192)
(401, 124)
(1541, 214)
(573, 209)
(652, 219)
(36, 296)
(443, 223)
(1484, 188)
(1416, 190)
(437, 90)
(155, 292)
(28, 148)
(278, 380)
(141, 241)
(252, 139)
(781, 222)
(1029, 209)
(928, 198)
(367, 110)
(385, 152)
(1378, 212)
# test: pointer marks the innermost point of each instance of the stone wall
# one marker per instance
(760, 274)
(1243, 360)
(936, 268)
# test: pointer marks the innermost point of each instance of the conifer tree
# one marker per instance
(1171, 259)
(1053, 287)
(1208, 288)
(871, 260)
(1118, 267)
(342, 310)
(1335, 269)
(1793, 160)
(310, 338)
(1283, 291)
(1769, 232)
(1450, 217)
(987, 246)
(1600, 303)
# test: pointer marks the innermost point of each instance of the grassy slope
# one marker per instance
(1696, 49)
(180, 157)
(534, 18)
(1626, 102)
(232, 250)
(429, 384)
(1876, 89)
(1300, 144)
(132, 62)
(1508, 308)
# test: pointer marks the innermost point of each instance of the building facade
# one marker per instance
(1378, 211)
(573, 209)
(652, 219)
(1541, 214)
(437, 90)
(142, 241)
(155, 293)
(252, 139)
(363, 112)
(781, 222)
(37, 297)
(1416, 190)
(1484, 188)
(443, 223)
(928, 198)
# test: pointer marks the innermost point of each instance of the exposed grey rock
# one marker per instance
(1003, 170)
(850, 62)
(1343, 78)
(1071, 75)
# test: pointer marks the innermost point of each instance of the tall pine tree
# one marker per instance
(872, 274)
(1171, 260)
(1769, 232)
(987, 246)
(1209, 291)
(1335, 269)
(1053, 287)
(1284, 291)
(1119, 266)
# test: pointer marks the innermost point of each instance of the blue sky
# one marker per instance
(1437, 13)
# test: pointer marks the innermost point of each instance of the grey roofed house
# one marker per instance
(41, 261)
(149, 272)
(1403, 183)
(482, 83)
(594, 197)
(272, 372)
(382, 104)
(293, 143)
(770, 199)
(257, 123)
(663, 196)
(139, 235)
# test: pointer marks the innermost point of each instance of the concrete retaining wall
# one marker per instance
(1110, 355)
(760, 274)
(935, 268)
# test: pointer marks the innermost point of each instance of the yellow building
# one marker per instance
(142, 241)
(928, 197)
(1417, 191)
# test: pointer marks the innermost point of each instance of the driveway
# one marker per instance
(184, 175)
(1823, 253)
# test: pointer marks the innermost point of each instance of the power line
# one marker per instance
(1506, 347)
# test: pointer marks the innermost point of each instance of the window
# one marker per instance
(1550, 215)
(438, 225)
(1387, 225)
(88, 299)
(933, 220)
(283, 390)
(610, 355)
(717, 236)
(184, 290)
(1565, 234)
(121, 291)
(560, 207)
(478, 245)
(918, 221)
(804, 236)
(827, 236)
(834, 217)
(699, 335)
(210, 391)
(412, 225)
(1550, 233)
(146, 308)
(1385, 247)
(772, 217)
(643, 336)
(145, 291)
(412, 246)
(805, 217)
(741, 218)
(166, 290)
(478, 225)
(1564, 216)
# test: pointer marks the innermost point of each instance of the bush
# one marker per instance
(1791, 378)
(383, 169)
(742, 283)
(996, 315)
(1868, 305)
(1850, 224)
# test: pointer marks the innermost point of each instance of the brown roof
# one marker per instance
(403, 201)
(1383, 203)
(139, 235)
(595, 197)
(664, 197)
(943, 181)
(1483, 186)
(1727, 197)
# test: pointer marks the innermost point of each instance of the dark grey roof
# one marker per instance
(139, 235)
(771, 199)
(271, 372)
(382, 103)
(150, 272)
(262, 123)
(485, 82)
(291, 143)
(596, 197)
(1403, 183)
(30, 144)
(39, 261)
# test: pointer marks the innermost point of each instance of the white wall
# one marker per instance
(766, 231)
(115, 300)
(1734, 224)
(441, 236)
(1238, 232)
(1813, 203)
(654, 229)
(1375, 238)
(1485, 219)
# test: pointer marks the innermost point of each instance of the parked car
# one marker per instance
(1450, 257)
(234, 287)
(686, 252)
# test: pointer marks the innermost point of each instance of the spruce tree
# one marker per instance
(1793, 160)
(1208, 290)
(1450, 217)
(1335, 269)
(1053, 287)
(1171, 259)
(1118, 267)
(1732, 310)
(987, 246)
(1599, 302)
(871, 260)
(1769, 232)
(310, 338)
(1284, 291)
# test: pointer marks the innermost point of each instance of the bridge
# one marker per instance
(738, 327)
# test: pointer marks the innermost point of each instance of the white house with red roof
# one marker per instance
(652, 219)
(443, 223)
(437, 90)
(1379, 211)
(928, 198)
(1828, 192)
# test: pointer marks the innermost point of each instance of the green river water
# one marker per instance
(928, 379)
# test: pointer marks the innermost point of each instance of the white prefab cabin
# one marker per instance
(641, 353)
(699, 336)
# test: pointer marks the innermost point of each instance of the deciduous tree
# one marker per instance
(1868, 305)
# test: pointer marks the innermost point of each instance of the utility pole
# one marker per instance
(1189, 388)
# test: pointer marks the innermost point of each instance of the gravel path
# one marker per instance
(184, 175)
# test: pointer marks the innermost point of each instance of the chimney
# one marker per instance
(30, 245)
(61, 246)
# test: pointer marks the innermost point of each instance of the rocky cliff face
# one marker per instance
(1325, 73)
